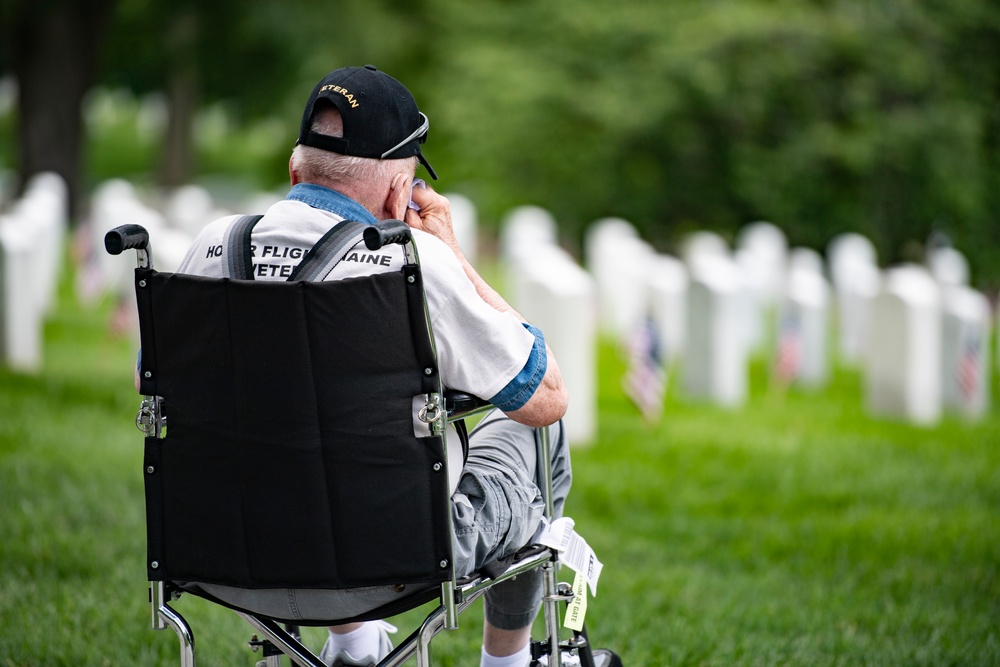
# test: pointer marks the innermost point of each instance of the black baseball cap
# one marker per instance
(381, 119)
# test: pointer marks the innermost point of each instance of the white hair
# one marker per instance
(316, 164)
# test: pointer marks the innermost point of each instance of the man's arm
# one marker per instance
(549, 401)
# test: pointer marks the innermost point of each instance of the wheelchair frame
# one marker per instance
(454, 596)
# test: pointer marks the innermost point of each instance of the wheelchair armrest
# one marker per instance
(459, 404)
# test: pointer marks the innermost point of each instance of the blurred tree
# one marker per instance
(200, 53)
(259, 58)
(823, 116)
(52, 47)
(880, 116)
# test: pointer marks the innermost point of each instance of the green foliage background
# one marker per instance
(823, 116)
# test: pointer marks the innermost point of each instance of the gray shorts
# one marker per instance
(496, 509)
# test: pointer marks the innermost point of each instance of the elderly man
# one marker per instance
(358, 149)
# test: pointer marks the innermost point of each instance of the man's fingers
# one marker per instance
(412, 219)
(422, 195)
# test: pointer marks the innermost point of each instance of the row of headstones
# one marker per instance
(172, 220)
(919, 333)
(709, 308)
(33, 229)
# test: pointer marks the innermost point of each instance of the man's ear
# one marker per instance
(399, 196)
(293, 173)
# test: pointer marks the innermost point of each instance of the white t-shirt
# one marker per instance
(480, 350)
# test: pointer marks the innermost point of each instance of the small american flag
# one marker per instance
(788, 356)
(967, 370)
(645, 381)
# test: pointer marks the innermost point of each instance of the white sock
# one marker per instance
(519, 659)
(359, 643)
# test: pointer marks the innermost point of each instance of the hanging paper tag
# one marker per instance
(576, 553)
(557, 534)
(577, 609)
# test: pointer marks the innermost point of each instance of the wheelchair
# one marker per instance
(264, 481)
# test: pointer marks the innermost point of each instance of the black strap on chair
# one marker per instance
(329, 251)
(239, 260)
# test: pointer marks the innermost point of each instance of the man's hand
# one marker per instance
(434, 216)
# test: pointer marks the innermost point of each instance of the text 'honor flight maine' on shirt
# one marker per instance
(264, 269)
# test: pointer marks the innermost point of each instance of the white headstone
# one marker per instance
(856, 278)
(44, 210)
(844, 252)
(701, 244)
(903, 367)
(768, 243)
(668, 295)
(21, 316)
(948, 266)
(465, 223)
(622, 285)
(617, 259)
(556, 295)
(965, 358)
(806, 259)
(258, 202)
(715, 355)
(189, 208)
(168, 246)
(801, 344)
(524, 229)
(598, 234)
(758, 303)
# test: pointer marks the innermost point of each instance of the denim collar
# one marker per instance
(326, 199)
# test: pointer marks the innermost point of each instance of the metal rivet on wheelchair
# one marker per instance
(150, 469)
(148, 374)
(437, 467)
(155, 564)
(428, 371)
(411, 279)
(142, 283)
(443, 563)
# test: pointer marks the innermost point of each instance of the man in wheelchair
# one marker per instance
(355, 159)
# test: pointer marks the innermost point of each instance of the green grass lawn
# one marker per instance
(794, 531)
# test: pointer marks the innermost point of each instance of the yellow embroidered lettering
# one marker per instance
(348, 95)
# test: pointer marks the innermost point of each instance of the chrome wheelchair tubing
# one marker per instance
(144, 257)
(164, 616)
(454, 600)
(550, 596)
(410, 252)
(543, 441)
(449, 601)
(550, 606)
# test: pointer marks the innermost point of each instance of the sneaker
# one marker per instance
(602, 658)
(344, 659)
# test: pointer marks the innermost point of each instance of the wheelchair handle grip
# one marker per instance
(126, 237)
(386, 232)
